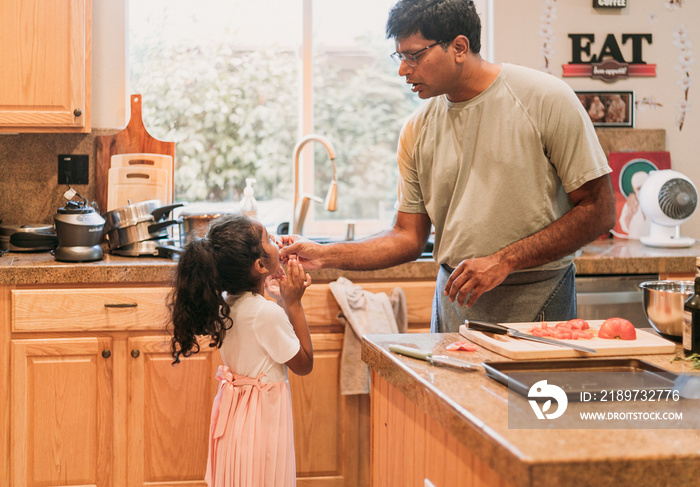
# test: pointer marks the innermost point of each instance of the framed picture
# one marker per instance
(609, 108)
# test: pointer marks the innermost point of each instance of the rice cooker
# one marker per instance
(79, 229)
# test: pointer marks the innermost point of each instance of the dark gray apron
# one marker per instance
(522, 297)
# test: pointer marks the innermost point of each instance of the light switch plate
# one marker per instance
(73, 169)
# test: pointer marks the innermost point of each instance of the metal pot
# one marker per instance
(195, 223)
(138, 222)
(137, 212)
(33, 237)
(139, 232)
(157, 248)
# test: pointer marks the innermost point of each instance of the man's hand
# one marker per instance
(307, 252)
(474, 277)
(592, 215)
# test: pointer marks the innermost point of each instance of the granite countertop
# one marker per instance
(622, 256)
(42, 268)
(474, 408)
(602, 257)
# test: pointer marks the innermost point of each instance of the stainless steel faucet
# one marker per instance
(301, 202)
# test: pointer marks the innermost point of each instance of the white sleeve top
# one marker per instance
(261, 339)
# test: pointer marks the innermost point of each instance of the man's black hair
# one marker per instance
(437, 20)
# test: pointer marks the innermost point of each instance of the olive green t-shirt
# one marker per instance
(497, 168)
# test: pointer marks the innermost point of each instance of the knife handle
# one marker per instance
(486, 326)
(411, 352)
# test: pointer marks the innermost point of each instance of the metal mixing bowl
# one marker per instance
(663, 305)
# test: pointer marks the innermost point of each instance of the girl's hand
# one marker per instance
(292, 288)
(272, 284)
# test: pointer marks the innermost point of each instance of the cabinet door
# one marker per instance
(331, 431)
(45, 59)
(169, 408)
(61, 417)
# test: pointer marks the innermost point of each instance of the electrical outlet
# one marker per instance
(73, 169)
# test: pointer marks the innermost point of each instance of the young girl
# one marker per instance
(218, 293)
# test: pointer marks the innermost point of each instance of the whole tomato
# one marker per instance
(617, 328)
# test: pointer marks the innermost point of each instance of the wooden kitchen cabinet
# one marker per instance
(331, 430)
(128, 417)
(45, 61)
(62, 412)
(167, 413)
(328, 427)
(95, 400)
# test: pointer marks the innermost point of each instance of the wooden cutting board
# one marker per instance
(133, 139)
(129, 185)
(144, 161)
(646, 343)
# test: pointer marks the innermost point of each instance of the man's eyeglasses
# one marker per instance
(411, 58)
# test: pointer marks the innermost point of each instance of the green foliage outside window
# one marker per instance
(234, 114)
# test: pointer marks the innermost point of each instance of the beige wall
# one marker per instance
(517, 40)
(110, 97)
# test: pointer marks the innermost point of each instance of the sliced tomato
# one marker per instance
(582, 335)
(564, 335)
(548, 332)
(465, 346)
(565, 330)
(578, 324)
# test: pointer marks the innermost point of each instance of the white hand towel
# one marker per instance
(366, 313)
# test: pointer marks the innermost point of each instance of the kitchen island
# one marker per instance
(451, 427)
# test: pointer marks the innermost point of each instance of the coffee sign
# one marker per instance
(609, 3)
(609, 64)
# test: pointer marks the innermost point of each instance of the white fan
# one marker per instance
(667, 199)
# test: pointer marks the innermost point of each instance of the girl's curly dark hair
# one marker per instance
(222, 261)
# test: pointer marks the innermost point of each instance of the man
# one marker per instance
(502, 160)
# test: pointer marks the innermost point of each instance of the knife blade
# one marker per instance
(512, 332)
(427, 355)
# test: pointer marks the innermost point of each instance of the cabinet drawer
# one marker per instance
(321, 308)
(106, 309)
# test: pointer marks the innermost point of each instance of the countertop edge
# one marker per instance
(599, 258)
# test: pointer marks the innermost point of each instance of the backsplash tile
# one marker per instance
(29, 189)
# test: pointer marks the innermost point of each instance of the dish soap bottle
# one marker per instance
(249, 206)
(691, 318)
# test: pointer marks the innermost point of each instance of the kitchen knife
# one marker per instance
(512, 332)
(428, 356)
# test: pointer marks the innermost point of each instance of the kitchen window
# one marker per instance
(236, 84)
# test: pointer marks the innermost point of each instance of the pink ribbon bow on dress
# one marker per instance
(227, 396)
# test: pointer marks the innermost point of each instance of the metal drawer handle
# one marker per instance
(135, 353)
(121, 305)
(106, 353)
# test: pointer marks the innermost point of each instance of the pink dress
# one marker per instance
(251, 440)
(251, 436)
